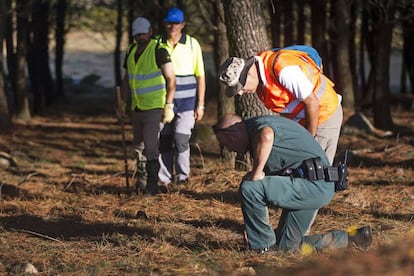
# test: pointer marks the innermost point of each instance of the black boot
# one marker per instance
(152, 168)
(361, 239)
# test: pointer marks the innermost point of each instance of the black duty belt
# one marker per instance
(313, 169)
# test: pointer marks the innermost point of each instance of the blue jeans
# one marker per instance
(300, 199)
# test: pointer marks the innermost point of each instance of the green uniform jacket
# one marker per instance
(292, 143)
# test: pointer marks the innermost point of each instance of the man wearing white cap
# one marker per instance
(149, 81)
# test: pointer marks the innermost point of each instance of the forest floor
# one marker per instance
(64, 207)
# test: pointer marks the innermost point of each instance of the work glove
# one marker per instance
(168, 113)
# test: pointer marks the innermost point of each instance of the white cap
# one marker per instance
(140, 26)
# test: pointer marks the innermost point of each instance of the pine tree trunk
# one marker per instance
(5, 121)
(289, 25)
(225, 104)
(246, 31)
(38, 57)
(275, 15)
(60, 43)
(117, 51)
(318, 32)
(340, 53)
(408, 54)
(383, 39)
(301, 22)
(21, 92)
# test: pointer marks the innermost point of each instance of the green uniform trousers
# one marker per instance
(299, 198)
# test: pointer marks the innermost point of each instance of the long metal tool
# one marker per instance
(119, 103)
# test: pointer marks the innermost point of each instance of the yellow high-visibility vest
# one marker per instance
(146, 81)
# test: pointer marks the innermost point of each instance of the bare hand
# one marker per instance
(199, 113)
(254, 176)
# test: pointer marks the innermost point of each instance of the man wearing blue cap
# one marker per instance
(189, 99)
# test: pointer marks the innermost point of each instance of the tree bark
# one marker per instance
(275, 17)
(352, 46)
(301, 22)
(289, 22)
(21, 92)
(221, 46)
(363, 86)
(225, 104)
(5, 120)
(340, 52)
(318, 32)
(117, 51)
(130, 15)
(408, 54)
(60, 44)
(246, 31)
(384, 21)
(38, 57)
(10, 51)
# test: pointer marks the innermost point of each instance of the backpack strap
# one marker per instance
(310, 53)
(129, 49)
(274, 61)
(158, 43)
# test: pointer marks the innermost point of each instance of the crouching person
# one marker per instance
(289, 170)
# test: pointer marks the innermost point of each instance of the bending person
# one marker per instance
(280, 148)
(289, 82)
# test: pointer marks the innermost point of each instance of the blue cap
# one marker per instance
(174, 15)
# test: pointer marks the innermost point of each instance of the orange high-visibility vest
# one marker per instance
(280, 100)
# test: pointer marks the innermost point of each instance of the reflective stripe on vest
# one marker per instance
(183, 62)
(278, 99)
(146, 81)
(186, 87)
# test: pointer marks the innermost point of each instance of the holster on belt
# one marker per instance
(313, 169)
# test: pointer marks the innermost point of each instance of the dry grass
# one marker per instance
(63, 208)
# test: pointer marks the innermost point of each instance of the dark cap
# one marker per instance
(233, 73)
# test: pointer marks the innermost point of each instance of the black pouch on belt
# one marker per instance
(313, 169)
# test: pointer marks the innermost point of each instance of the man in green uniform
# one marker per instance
(280, 147)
